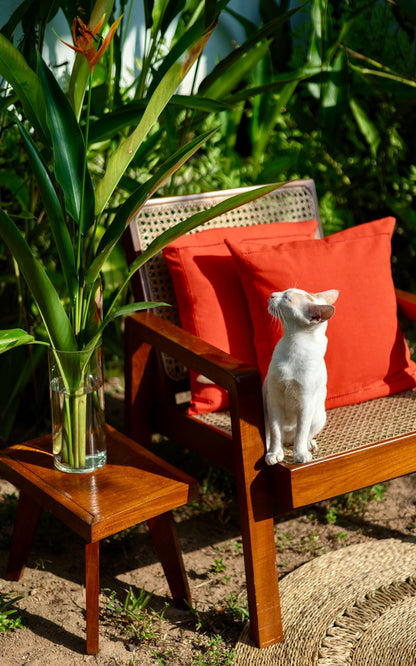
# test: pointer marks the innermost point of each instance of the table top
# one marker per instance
(133, 486)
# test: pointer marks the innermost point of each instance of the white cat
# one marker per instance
(294, 390)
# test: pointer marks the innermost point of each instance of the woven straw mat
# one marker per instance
(354, 606)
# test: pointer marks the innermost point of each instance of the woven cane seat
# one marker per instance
(351, 426)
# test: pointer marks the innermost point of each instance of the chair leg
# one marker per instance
(257, 527)
(92, 588)
(165, 538)
(261, 579)
(27, 518)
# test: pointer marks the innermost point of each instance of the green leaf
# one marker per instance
(69, 152)
(111, 124)
(216, 81)
(182, 228)
(54, 212)
(367, 128)
(136, 200)
(57, 324)
(131, 308)
(14, 337)
(127, 149)
(25, 83)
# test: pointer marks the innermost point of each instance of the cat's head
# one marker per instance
(295, 307)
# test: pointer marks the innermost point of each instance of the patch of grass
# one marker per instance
(357, 501)
(283, 540)
(214, 654)
(132, 616)
(10, 618)
(332, 515)
(230, 612)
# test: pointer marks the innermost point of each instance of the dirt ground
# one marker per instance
(52, 609)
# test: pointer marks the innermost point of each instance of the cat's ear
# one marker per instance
(319, 313)
(329, 296)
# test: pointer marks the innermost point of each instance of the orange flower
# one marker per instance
(86, 38)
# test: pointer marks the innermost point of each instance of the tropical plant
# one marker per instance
(56, 140)
(171, 31)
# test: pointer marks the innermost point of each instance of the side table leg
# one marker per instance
(165, 538)
(92, 585)
(27, 518)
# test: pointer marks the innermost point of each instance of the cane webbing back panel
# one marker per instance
(351, 426)
(295, 201)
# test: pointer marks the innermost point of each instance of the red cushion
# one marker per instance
(210, 297)
(367, 355)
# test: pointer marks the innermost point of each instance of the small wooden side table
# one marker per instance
(134, 486)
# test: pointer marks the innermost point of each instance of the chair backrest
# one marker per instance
(295, 201)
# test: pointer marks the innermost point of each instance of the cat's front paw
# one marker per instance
(302, 456)
(273, 458)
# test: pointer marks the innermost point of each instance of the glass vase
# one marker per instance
(77, 409)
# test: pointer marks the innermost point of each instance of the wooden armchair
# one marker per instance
(361, 445)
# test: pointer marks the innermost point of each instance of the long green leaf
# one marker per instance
(237, 71)
(69, 151)
(25, 83)
(14, 337)
(229, 63)
(54, 212)
(126, 151)
(57, 324)
(180, 229)
(131, 308)
(110, 124)
(136, 200)
(367, 128)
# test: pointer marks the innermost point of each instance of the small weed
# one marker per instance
(231, 611)
(357, 501)
(163, 658)
(238, 610)
(332, 515)
(9, 616)
(132, 615)
(283, 540)
(214, 654)
(218, 566)
(342, 536)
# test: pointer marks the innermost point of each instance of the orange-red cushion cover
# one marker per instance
(367, 355)
(210, 297)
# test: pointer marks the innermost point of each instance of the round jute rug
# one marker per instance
(354, 606)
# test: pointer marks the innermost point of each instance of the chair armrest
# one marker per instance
(406, 302)
(202, 357)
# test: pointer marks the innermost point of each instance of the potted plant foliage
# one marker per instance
(55, 136)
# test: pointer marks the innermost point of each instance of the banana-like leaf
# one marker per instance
(185, 43)
(53, 209)
(180, 229)
(25, 83)
(14, 337)
(57, 324)
(127, 149)
(131, 308)
(109, 125)
(238, 70)
(69, 152)
(136, 200)
(368, 129)
(230, 62)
